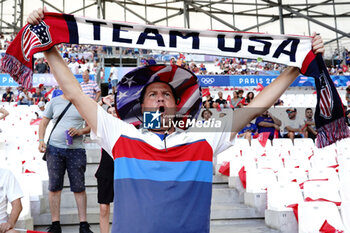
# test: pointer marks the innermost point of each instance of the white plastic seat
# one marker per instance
(287, 175)
(294, 162)
(344, 173)
(256, 145)
(283, 142)
(268, 162)
(324, 173)
(236, 164)
(258, 180)
(344, 191)
(304, 142)
(321, 189)
(280, 195)
(344, 160)
(312, 215)
(226, 155)
(323, 160)
(301, 151)
(345, 214)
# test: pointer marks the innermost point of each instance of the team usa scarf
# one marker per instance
(284, 49)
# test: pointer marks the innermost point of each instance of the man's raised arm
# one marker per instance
(66, 80)
(268, 96)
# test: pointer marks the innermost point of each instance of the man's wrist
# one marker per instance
(41, 140)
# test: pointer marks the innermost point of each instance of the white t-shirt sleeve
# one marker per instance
(13, 189)
(219, 139)
(109, 130)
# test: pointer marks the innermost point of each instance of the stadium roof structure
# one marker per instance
(302, 17)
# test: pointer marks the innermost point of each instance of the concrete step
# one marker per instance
(236, 226)
(93, 155)
(220, 195)
(223, 194)
(229, 211)
(226, 211)
(241, 226)
(69, 216)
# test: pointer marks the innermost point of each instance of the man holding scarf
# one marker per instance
(163, 176)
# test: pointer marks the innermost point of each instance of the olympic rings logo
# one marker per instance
(207, 80)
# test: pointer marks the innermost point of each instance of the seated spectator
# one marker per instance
(8, 96)
(249, 98)
(41, 106)
(38, 96)
(248, 132)
(236, 102)
(42, 89)
(41, 67)
(39, 113)
(25, 98)
(206, 114)
(279, 102)
(293, 125)
(221, 101)
(266, 122)
(11, 192)
(310, 127)
(208, 103)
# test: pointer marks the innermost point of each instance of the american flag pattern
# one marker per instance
(326, 100)
(35, 36)
(185, 83)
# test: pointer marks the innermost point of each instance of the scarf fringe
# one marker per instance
(19, 72)
(332, 132)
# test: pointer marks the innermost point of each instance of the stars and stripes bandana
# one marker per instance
(284, 49)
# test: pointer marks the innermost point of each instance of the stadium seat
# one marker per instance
(345, 214)
(304, 142)
(288, 175)
(283, 142)
(344, 191)
(312, 216)
(344, 160)
(323, 160)
(280, 195)
(324, 173)
(321, 189)
(344, 173)
(259, 179)
(297, 162)
(256, 145)
(270, 162)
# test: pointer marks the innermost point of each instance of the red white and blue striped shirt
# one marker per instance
(157, 188)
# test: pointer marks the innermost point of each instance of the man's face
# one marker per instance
(86, 76)
(158, 96)
(291, 114)
(220, 94)
(309, 114)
